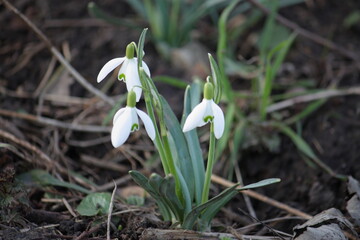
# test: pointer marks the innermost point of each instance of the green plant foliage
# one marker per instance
(206, 212)
(42, 178)
(163, 191)
(135, 200)
(170, 21)
(94, 204)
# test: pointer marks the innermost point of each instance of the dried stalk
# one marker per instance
(311, 97)
(55, 123)
(78, 77)
(175, 234)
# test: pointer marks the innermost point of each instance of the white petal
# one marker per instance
(121, 129)
(146, 68)
(108, 67)
(195, 118)
(219, 120)
(149, 126)
(118, 114)
(122, 70)
(132, 79)
(134, 116)
(208, 111)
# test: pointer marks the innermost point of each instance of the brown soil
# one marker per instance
(332, 131)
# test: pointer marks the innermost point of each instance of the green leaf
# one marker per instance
(210, 212)
(94, 204)
(272, 67)
(220, 199)
(152, 186)
(182, 156)
(312, 107)
(215, 79)
(221, 49)
(41, 177)
(142, 181)
(97, 12)
(261, 183)
(191, 99)
(207, 211)
(168, 193)
(172, 81)
(297, 140)
(267, 34)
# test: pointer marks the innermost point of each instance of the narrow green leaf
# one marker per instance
(183, 160)
(261, 183)
(208, 210)
(303, 147)
(152, 186)
(272, 66)
(191, 99)
(267, 34)
(142, 181)
(221, 49)
(312, 107)
(223, 197)
(41, 177)
(175, 82)
(168, 193)
(215, 79)
(95, 11)
(297, 140)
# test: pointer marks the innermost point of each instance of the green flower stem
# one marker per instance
(149, 107)
(210, 165)
(169, 157)
(159, 144)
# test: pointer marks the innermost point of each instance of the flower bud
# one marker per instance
(208, 91)
(131, 99)
(130, 50)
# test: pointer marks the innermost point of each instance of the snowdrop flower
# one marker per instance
(128, 71)
(126, 121)
(206, 111)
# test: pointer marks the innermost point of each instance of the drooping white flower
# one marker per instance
(126, 120)
(206, 111)
(128, 71)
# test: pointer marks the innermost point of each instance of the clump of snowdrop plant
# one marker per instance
(182, 195)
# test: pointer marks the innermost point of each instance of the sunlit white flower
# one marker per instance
(206, 111)
(128, 71)
(126, 120)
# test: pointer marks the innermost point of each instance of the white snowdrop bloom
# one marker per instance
(206, 111)
(128, 71)
(126, 120)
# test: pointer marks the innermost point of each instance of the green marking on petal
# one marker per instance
(208, 119)
(134, 127)
(122, 77)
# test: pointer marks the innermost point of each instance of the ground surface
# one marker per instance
(333, 131)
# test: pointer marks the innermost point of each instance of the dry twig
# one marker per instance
(174, 234)
(55, 123)
(311, 97)
(58, 55)
(111, 206)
